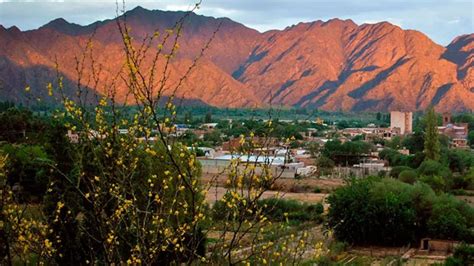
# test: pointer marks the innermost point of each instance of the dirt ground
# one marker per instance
(216, 193)
(468, 199)
(309, 185)
(310, 190)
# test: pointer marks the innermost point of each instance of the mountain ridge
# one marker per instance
(332, 65)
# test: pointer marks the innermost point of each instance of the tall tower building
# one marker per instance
(402, 120)
(446, 118)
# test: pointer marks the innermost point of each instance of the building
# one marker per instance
(402, 120)
(258, 142)
(175, 130)
(208, 152)
(277, 164)
(457, 133)
(209, 125)
(372, 132)
(181, 129)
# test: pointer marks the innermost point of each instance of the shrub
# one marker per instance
(436, 175)
(395, 158)
(324, 261)
(465, 181)
(276, 209)
(437, 183)
(389, 212)
(408, 176)
(459, 160)
(382, 173)
(463, 255)
(451, 219)
(416, 160)
(433, 168)
(395, 172)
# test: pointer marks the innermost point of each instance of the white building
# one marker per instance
(277, 164)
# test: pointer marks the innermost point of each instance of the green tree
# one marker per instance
(325, 162)
(470, 138)
(432, 145)
(395, 143)
(313, 148)
(26, 167)
(459, 160)
(451, 219)
(414, 142)
(347, 153)
(188, 117)
(379, 116)
(434, 168)
(389, 212)
(369, 212)
(214, 137)
(208, 118)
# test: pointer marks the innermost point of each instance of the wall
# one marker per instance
(213, 166)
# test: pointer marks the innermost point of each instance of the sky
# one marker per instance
(441, 20)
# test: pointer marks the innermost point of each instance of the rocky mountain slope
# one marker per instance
(332, 65)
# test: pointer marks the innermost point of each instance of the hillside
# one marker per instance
(332, 65)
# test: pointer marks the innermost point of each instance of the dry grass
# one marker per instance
(308, 185)
(468, 199)
(216, 193)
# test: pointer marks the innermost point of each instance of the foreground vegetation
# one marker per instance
(74, 190)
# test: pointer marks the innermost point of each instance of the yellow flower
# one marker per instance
(103, 102)
(27, 88)
(50, 89)
(48, 243)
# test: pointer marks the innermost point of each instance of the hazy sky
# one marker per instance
(442, 20)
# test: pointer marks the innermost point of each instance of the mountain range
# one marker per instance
(330, 65)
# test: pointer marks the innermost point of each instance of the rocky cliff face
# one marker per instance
(339, 65)
(333, 65)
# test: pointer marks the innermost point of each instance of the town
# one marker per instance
(298, 158)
